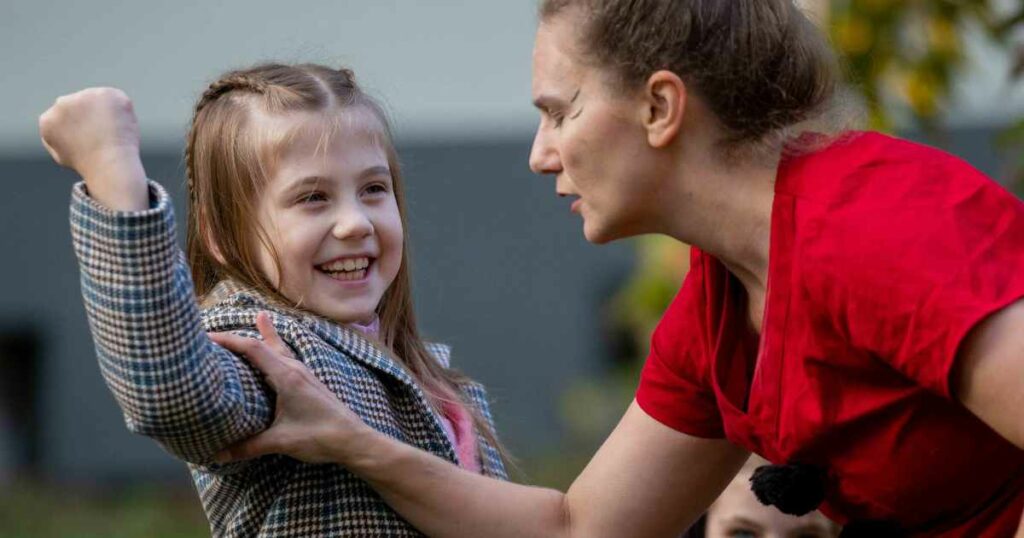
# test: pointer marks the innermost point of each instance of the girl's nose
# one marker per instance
(352, 224)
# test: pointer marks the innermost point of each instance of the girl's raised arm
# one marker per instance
(171, 381)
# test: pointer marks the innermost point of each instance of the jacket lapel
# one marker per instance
(236, 308)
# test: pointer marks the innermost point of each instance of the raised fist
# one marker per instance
(95, 133)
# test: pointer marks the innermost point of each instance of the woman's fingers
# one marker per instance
(258, 445)
(270, 336)
(259, 354)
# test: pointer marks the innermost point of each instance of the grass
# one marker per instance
(32, 510)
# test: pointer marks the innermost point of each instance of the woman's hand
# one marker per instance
(94, 132)
(310, 422)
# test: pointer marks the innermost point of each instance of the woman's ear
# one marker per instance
(665, 102)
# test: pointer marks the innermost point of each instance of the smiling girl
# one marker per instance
(297, 228)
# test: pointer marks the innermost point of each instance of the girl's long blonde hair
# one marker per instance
(228, 158)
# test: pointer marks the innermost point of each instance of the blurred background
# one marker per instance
(556, 328)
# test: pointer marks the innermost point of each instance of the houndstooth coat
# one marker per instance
(195, 398)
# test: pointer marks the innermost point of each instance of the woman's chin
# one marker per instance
(598, 234)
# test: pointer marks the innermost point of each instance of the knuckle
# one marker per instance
(249, 345)
(293, 377)
(284, 351)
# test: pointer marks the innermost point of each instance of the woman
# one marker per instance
(853, 309)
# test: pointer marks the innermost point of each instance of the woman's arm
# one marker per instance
(646, 480)
(171, 381)
(989, 376)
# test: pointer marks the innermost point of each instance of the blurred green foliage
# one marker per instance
(904, 56)
(34, 510)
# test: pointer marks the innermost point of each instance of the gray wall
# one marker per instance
(501, 272)
(457, 69)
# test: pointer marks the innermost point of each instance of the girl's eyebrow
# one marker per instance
(304, 182)
(379, 170)
(313, 181)
(741, 520)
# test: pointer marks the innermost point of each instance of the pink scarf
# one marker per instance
(458, 424)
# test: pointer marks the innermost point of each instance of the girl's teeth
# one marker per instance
(350, 264)
(353, 275)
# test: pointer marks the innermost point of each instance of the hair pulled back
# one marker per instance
(760, 65)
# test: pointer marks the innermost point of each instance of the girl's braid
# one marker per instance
(231, 82)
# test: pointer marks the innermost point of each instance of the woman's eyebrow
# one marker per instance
(547, 102)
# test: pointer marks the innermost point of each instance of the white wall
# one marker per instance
(447, 68)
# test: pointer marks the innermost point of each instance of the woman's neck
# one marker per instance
(725, 210)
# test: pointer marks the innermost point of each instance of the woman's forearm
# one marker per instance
(646, 481)
(443, 500)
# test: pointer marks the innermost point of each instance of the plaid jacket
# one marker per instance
(194, 397)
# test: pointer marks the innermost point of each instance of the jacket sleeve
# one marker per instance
(171, 381)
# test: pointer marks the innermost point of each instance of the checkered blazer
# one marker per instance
(195, 398)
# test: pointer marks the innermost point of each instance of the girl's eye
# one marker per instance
(377, 188)
(557, 119)
(312, 197)
(742, 533)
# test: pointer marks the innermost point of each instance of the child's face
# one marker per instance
(331, 214)
(738, 514)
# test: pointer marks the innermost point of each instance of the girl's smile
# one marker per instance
(350, 270)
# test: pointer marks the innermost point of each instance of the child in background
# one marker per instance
(738, 514)
(298, 228)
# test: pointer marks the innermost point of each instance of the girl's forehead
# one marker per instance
(320, 131)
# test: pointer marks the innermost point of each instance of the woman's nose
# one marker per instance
(544, 158)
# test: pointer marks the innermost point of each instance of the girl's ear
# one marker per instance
(664, 98)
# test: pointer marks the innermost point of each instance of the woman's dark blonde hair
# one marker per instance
(760, 65)
(228, 158)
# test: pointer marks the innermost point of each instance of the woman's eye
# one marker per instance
(557, 119)
(742, 533)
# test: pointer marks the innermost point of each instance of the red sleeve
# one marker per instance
(675, 384)
(924, 254)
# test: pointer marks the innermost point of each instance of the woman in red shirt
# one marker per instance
(853, 312)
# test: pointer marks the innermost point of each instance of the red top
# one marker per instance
(884, 254)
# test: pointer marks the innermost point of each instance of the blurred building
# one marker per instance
(501, 269)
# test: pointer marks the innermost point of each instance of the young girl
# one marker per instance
(297, 223)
